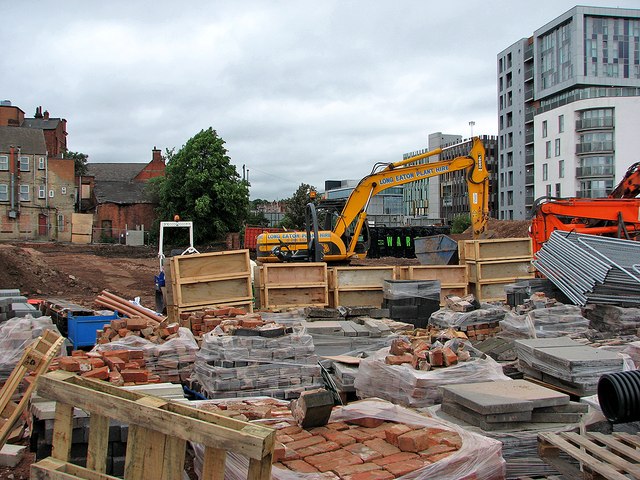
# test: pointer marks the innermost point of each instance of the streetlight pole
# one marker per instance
(471, 124)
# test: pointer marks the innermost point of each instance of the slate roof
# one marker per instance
(30, 141)
(124, 193)
(41, 123)
(114, 172)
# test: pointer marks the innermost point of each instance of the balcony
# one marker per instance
(593, 193)
(594, 147)
(528, 94)
(529, 178)
(528, 200)
(595, 171)
(528, 117)
(528, 138)
(588, 123)
(528, 73)
(528, 52)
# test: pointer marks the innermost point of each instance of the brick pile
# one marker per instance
(119, 367)
(138, 327)
(422, 354)
(367, 448)
(466, 315)
(227, 318)
(168, 353)
(267, 359)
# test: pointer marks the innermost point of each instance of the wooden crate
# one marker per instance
(209, 279)
(358, 286)
(490, 291)
(293, 285)
(159, 430)
(614, 457)
(453, 278)
(495, 249)
(504, 270)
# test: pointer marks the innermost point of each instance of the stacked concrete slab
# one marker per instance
(282, 367)
(13, 304)
(565, 363)
(505, 404)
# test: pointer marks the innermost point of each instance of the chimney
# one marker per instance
(156, 155)
(38, 112)
(46, 115)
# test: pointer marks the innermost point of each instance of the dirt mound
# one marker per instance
(499, 229)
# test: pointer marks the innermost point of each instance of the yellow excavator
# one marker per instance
(349, 236)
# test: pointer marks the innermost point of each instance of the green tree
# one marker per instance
(257, 219)
(79, 161)
(295, 207)
(460, 223)
(202, 185)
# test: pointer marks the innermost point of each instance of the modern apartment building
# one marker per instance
(568, 104)
(443, 197)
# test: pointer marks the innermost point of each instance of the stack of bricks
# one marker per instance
(257, 359)
(423, 355)
(138, 327)
(119, 367)
(207, 319)
(481, 331)
(366, 448)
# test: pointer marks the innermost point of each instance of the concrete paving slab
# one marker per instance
(529, 345)
(574, 357)
(10, 455)
(493, 417)
(503, 396)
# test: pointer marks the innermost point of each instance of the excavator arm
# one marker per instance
(406, 171)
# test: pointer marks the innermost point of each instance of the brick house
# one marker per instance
(37, 188)
(118, 199)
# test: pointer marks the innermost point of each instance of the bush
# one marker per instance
(460, 223)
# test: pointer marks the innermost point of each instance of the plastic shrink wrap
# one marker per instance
(558, 321)
(446, 317)
(416, 388)
(15, 335)
(479, 457)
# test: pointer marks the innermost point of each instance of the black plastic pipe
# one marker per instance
(619, 396)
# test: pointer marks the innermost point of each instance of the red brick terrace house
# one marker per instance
(37, 189)
(119, 201)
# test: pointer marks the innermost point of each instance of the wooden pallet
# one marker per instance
(612, 457)
(158, 432)
(495, 249)
(35, 359)
(453, 278)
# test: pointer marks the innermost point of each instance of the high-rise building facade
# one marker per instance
(568, 104)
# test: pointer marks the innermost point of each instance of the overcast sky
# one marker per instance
(301, 91)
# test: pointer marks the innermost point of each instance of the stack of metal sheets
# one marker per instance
(592, 269)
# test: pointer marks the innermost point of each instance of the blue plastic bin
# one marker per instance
(82, 329)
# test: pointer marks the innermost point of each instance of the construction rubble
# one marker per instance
(406, 381)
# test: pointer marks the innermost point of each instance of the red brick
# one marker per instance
(116, 378)
(136, 323)
(399, 347)
(448, 438)
(365, 453)
(69, 364)
(101, 373)
(436, 450)
(416, 441)
(318, 448)
(338, 426)
(450, 357)
(136, 354)
(78, 353)
(123, 354)
(438, 456)
(367, 422)
(343, 470)
(115, 363)
(96, 362)
(361, 435)
(300, 435)
(130, 375)
(300, 466)
(371, 475)
(305, 442)
(398, 359)
(394, 432)
(283, 438)
(290, 454)
(118, 324)
(402, 468)
(381, 446)
(279, 451)
(396, 457)
(338, 437)
(234, 311)
(327, 461)
(436, 357)
(293, 429)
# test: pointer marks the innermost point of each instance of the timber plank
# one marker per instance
(214, 462)
(62, 429)
(98, 443)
